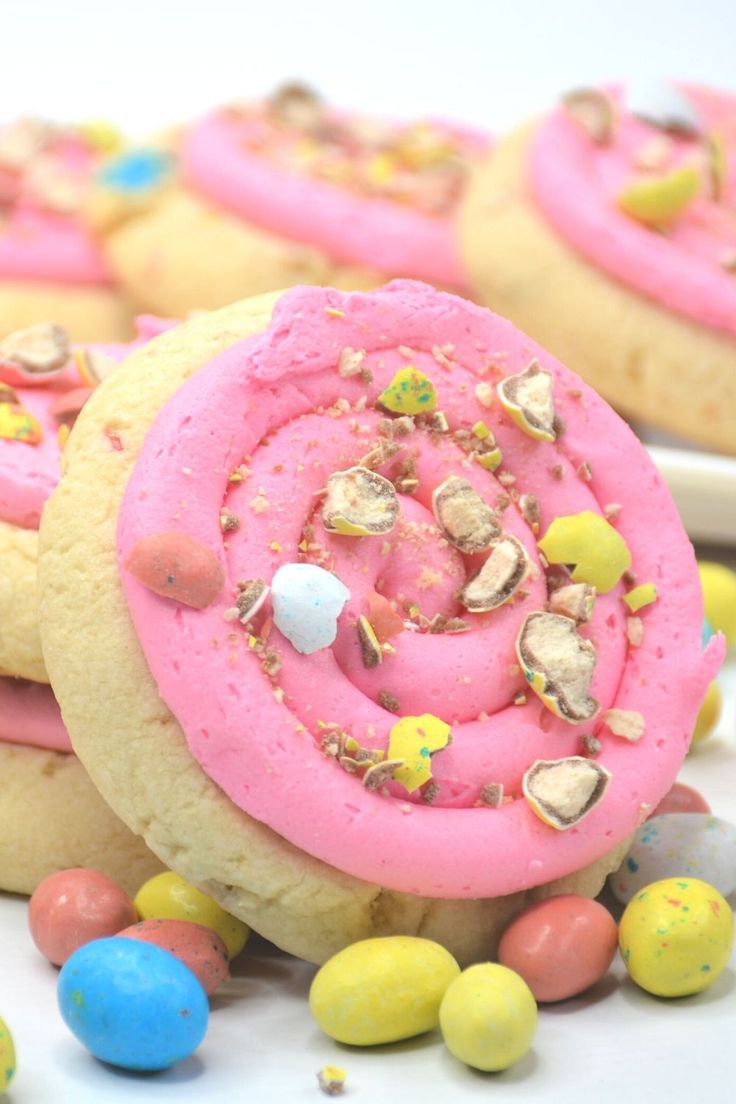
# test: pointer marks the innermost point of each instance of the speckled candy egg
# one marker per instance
(695, 845)
(560, 946)
(132, 1004)
(488, 1017)
(382, 990)
(7, 1057)
(169, 897)
(74, 906)
(199, 948)
(676, 936)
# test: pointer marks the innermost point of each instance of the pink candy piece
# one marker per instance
(197, 947)
(560, 946)
(681, 799)
(73, 907)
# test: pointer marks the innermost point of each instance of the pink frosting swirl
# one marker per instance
(276, 409)
(575, 182)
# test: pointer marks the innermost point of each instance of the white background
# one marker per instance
(148, 64)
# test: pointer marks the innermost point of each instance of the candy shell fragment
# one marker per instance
(597, 550)
(252, 594)
(558, 665)
(627, 723)
(464, 518)
(563, 791)
(409, 392)
(593, 111)
(38, 351)
(175, 565)
(385, 621)
(307, 601)
(370, 647)
(94, 366)
(498, 579)
(18, 424)
(331, 1080)
(575, 601)
(527, 398)
(664, 105)
(657, 202)
(414, 740)
(359, 503)
(640, 596)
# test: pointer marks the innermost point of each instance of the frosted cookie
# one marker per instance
(347, 685)
(281, 192)
(50, 266)
(607, 229)
(51, 813)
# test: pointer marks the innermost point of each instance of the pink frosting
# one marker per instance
(29, 473)
(575, 183)
(29, 714)
(39, 244)
(269, 403)
(349, 227)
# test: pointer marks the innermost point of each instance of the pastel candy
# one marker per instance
(73, 907)
(681, 799)
(307, 601)
(693, 845)
(199, 948)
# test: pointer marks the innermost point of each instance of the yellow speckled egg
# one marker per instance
(488, 1017)
(169, 897)
(382, 990)
(7, 1057)
(709, 714)
(719, 595)
(676, 936)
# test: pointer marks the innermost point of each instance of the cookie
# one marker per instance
(606, 230)
(52, 816)
(281, 192)
(348, 685)
(50, 267)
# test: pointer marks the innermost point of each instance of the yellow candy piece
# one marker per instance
(481, 430)
(102, 134)
(490, 460)
(413, 740)
(599, 553)
(409, 392)
(7, 1056)
(719, 594)
(382, 990)
(658, 202)
(640, 596)
(709, 714)
(169, 897)
(18, 424)
(488, 1017)
(676, 936)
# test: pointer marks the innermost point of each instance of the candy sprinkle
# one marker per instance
(409, 392)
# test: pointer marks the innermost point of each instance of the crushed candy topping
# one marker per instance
(558, 664)
(592, 110)
(527, 398)
(409, 392)
(563, 791)
(640, 596)
(465, 519)
(18, 424)
(661, 200)
(39, 350)
(499, 578)
(359, 503)
(414, 740)
(597, 550)
(370, 646)
(627, 723)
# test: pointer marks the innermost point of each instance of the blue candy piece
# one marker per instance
(132, 1004)
(136, 171)
(707, 632)
(307, 601)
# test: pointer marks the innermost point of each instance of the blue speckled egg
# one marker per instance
(678, 845)
(132, 1004)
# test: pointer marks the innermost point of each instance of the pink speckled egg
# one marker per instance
(681, 799)
(199, 948)
(560, 946)
(73, 907)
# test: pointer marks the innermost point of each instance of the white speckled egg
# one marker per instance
(696, 845)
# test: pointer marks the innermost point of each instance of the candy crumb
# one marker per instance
(331, 1080)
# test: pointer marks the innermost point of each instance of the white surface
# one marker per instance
(704, 487)
(613, 1045)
